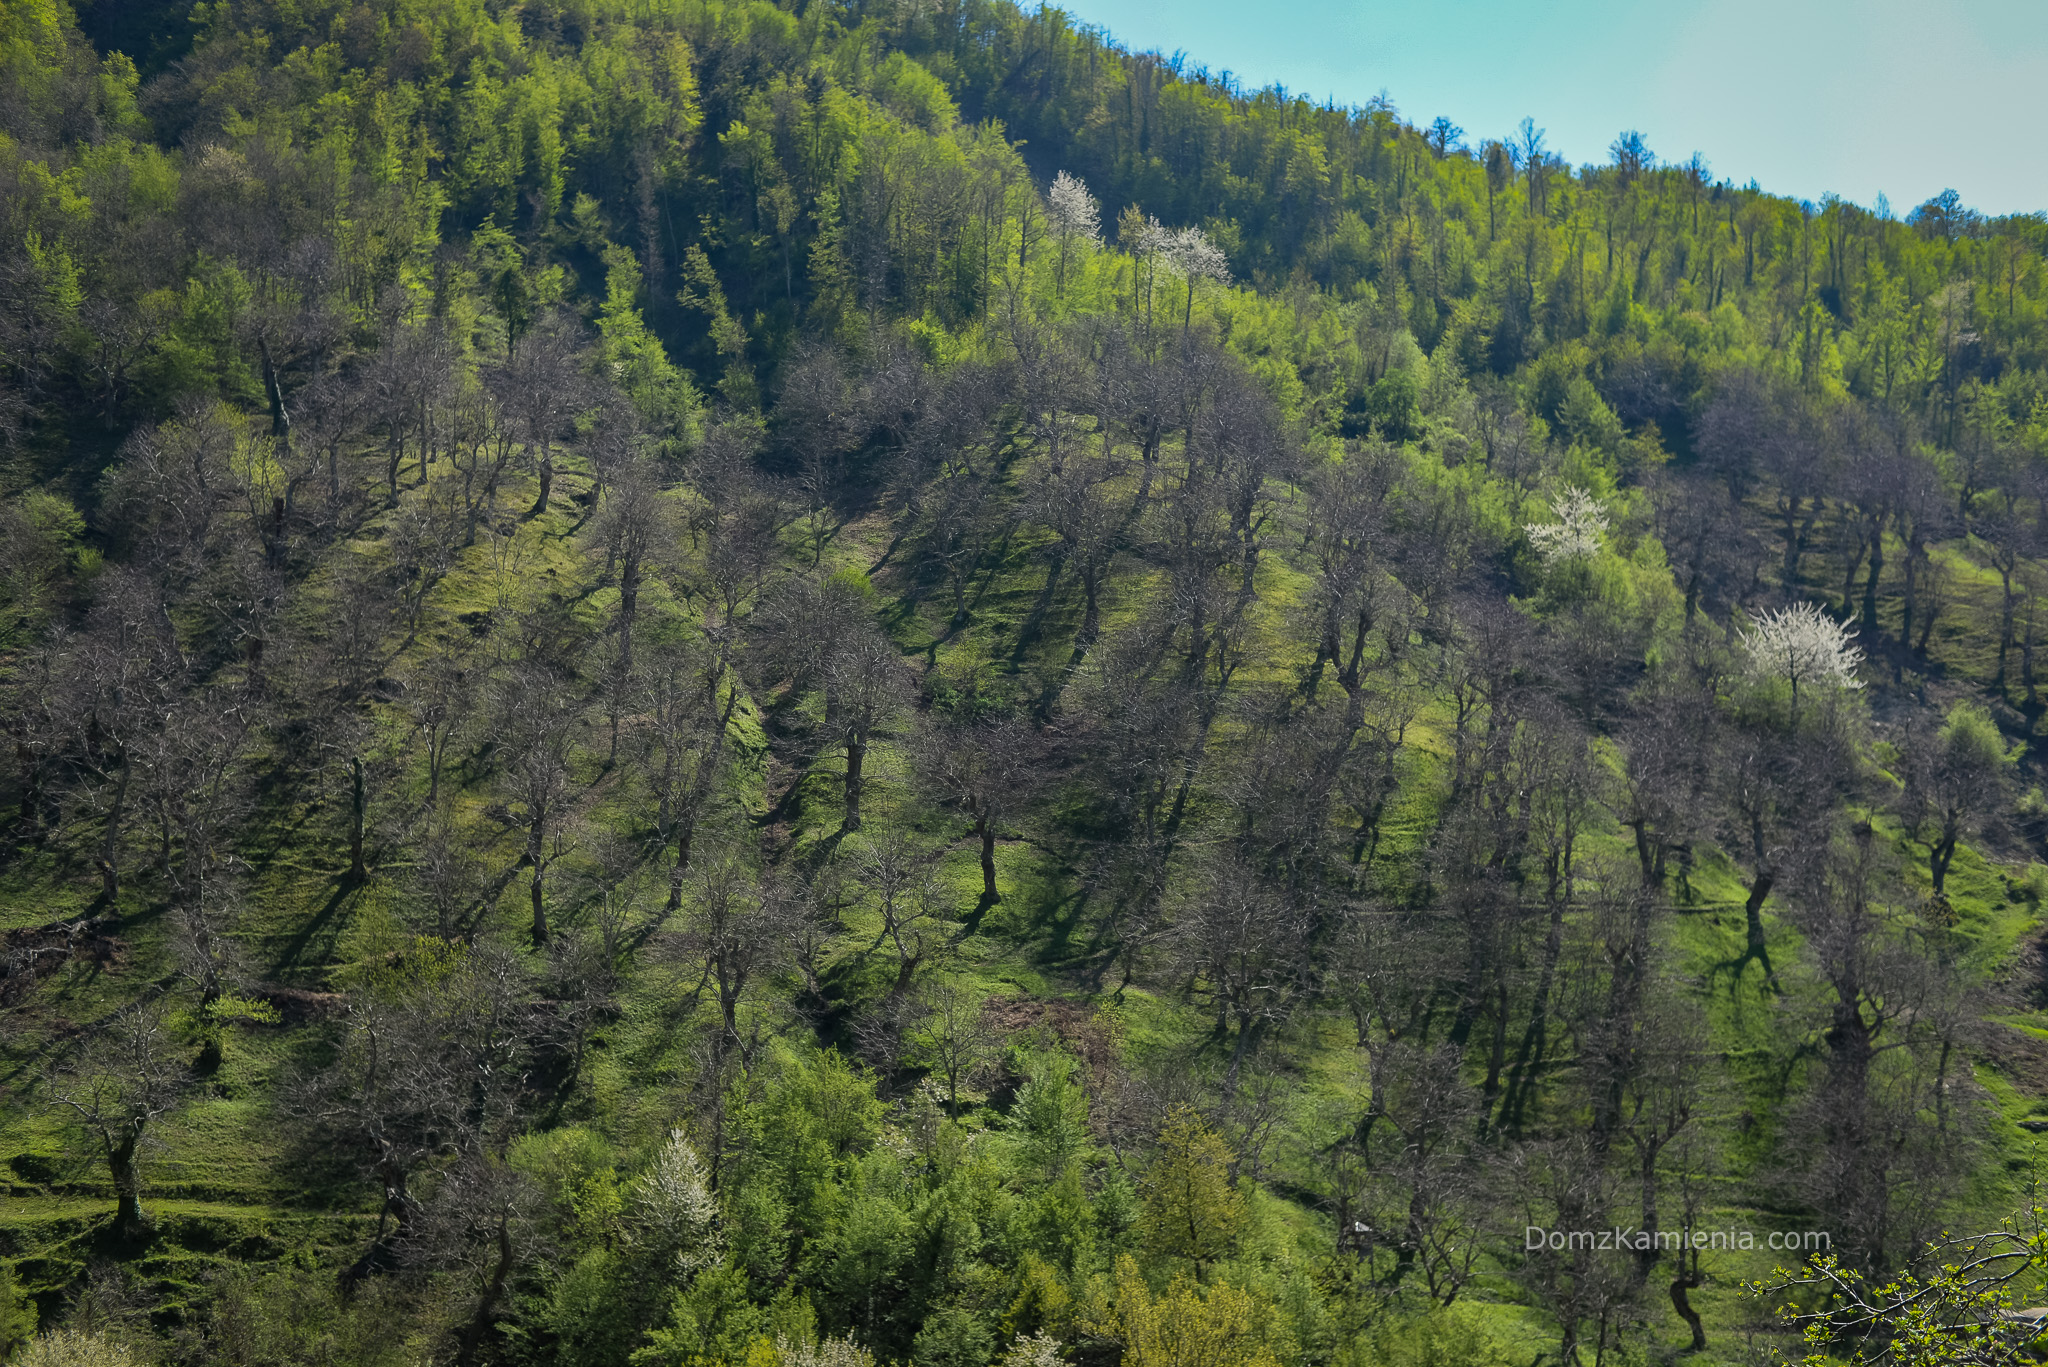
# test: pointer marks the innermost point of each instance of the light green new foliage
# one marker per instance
(1050, 1117)
(1437, 1339)
(1972, 740)
(663, 395)
(1191, 1209)
(75, 1348)
(1962, 1307)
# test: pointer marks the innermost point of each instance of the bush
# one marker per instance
(72, 1348)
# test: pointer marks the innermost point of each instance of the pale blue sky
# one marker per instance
(1906, 97)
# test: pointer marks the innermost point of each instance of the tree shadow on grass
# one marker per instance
(1739, 965)
(327, 919)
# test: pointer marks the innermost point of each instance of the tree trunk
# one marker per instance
(730, 986)
(1854, 562)
(986, 829)
(501, 1271)
(358, 806)
(1753, 914)
(2027, 660)
(536, 858)
(629, 606)
(547, 485)
(1870, 581)
(1789, 574)
(1912, 594)
(1497, 1051)
(1938, 860)
(538, 888)
(1091, 614)
(958, 576)
(397, 1201)
(129, 1220)
(280, 420)
(906, 973)
(1646, 854)
(208, 1062)
(273, 543)
(31, 790)
(2008, 608)
(686, 830)
(1238, 1051)
(110, 839)
(1683, 1305)
(1929, 611)
(856, 758)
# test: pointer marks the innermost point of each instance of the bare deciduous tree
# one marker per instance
(914, 904)
(480, 1226)
(122, 1083)
(989, 770)
(541, 388)
(953, 1035)
(1956, 780)
(428, 1064)
(1243, 943)
(866, 687)
(738, 930)
(1880, 1135)
(537, 713)
(686, 722)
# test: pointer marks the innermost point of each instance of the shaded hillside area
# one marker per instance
(692, 682)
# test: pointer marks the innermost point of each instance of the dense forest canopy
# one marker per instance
(699, 682)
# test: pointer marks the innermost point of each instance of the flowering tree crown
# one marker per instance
(1802, 646)
(1576, 533)
(1073, 210)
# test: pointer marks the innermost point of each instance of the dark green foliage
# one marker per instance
(597, 1310)
(18, 1318)
(952, 1338)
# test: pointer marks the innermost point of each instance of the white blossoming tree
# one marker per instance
(1076, 219)
(824, 1353)
(1575, 535)
(1146, 238)
(1037, 1350)
(1186, 252)
(1803, 647)
(673, 1208)
(1190, 253)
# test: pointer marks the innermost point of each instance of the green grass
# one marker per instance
(222, 1183)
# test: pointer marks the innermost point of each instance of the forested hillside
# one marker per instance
(691, 682)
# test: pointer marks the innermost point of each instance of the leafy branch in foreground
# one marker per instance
(1960, 1307)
